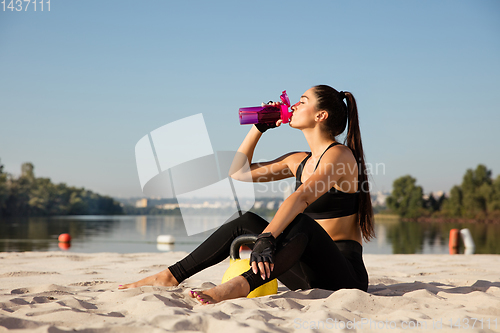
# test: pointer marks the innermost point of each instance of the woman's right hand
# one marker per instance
(265, 126)
(262, 256)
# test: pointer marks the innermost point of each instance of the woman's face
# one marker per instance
(304, 111)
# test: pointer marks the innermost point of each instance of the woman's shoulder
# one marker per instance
(294, 159)
(339, 153)
(297, 156)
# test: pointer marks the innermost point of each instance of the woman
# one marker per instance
(314, 240)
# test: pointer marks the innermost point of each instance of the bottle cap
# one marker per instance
(285, 114)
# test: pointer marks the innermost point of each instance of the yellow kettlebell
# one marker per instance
(238, 266)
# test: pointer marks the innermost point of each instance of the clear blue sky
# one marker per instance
(81, 84)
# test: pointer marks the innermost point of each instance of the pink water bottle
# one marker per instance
(267, 113)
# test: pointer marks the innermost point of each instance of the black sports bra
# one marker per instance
(333, 203)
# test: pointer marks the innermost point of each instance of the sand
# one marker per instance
(62, 292)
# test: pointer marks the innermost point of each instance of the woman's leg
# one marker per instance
(306, 257)
(212, 251)
(216, 247)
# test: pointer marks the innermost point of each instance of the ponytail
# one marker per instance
(339, 116)
(353, 141)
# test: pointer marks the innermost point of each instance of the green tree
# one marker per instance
(406, 197)
(31, 196)
(494, 202)
(4, 191)
(77, 204)
(19, 192)
(453, 206)
(27, 171)
(477, 191)
(46, 198)
(433, 204)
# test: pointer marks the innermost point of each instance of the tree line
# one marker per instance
(478, 197)
(28, 195)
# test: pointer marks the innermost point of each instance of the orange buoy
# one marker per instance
(64, 246)
(454, 241)
(64, 238)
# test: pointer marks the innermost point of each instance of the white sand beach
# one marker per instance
(62, 292)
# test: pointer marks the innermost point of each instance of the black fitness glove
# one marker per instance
(263, 250)
(265, 126)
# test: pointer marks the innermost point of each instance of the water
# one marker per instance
(132, 234)
(90, 234)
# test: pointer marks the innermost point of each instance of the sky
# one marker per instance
(82, 83)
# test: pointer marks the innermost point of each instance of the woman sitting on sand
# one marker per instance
(314, 240)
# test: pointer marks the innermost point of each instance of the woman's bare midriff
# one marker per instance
(342, 228)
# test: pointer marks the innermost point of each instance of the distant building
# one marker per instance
(258, 204)
(379, 198)
(141, 203)
(169, 206)
(438, 194)
(270, 205)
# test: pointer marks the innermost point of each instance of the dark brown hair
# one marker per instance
(340, 115)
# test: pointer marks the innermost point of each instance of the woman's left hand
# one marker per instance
(262, 127)
(262, 257)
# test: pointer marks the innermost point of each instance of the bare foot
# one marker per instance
(164, 279)
(234, 288)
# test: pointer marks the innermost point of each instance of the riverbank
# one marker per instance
(425, 219)
(55, 291)
(451, 220)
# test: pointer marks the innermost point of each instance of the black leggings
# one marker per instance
(306, 257)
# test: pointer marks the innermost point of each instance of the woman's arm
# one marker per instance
(262, 171)
(329, 172)
(293, 205)
(243, 158)
(248, 145)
